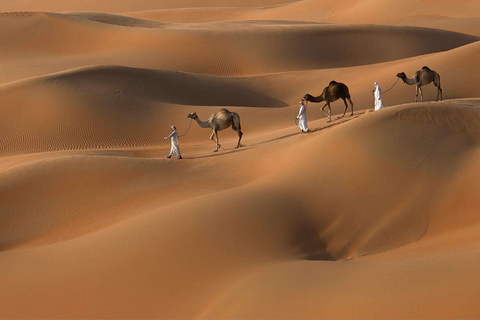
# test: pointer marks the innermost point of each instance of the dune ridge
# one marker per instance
(368, 11)
(348, 11)
(112, 6)
(465, 120)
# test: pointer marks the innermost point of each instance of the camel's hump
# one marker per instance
(333, 82)
(426, 68)
(224, 110)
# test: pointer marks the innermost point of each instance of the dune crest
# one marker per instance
(466, 120)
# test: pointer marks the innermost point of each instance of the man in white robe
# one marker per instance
(378, 97)
(302, 116)
(174, 149)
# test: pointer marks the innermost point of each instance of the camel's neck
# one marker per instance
(320, 98)
(203, 124)
(408, 81)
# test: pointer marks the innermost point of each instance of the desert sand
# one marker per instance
(374, 215)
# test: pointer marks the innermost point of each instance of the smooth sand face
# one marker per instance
(373, 215)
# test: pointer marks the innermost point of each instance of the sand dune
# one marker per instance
(196, 15)
(409, 12)
(113, 107)
(347, 284)
(374, 215)
(391, 11)
(462, 25)
(228, 48)
(108, 107)
(347, 11)
(274, 239)
(113, 6)
(117, 20)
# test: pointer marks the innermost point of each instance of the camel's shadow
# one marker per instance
(244, 147)
(334, 123)
(226, 152)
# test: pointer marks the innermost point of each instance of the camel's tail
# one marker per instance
(236, 122)
(347, 93)
(237, 127)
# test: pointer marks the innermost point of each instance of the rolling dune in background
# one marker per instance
(60, 42)
(374, 215)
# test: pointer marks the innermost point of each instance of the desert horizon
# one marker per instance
(372, 215)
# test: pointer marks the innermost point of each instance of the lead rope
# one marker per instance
(186, 131)
(391, 86)
(373, 92)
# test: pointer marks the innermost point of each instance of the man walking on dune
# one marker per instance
(174, 149)
(378, 97)
(302, 117)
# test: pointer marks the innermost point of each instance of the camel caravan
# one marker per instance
(335, 90)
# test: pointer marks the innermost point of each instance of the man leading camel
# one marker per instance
(174, 149)
(302, 116)
(377, 93)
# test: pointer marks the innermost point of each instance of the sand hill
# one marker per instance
(374, 215)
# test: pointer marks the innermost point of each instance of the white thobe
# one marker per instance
(174, 149)
(302, 118)
(378, 98)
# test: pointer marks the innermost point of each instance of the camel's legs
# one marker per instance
(439, 91)
(346, 106)
(329, 112)
(416, 94)
(323, 108)
(236, 127)
(216, 138)
(351, 105)
(218, 142)
(240, 134)
(421, 93)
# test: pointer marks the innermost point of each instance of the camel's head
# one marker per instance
(307, 97)
(192, 115)
(401, 75)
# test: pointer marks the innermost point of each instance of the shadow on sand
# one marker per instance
(255, 145)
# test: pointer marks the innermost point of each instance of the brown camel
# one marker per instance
(333, 92)
(219, 121)
(422, 78)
